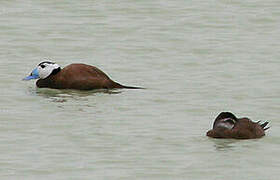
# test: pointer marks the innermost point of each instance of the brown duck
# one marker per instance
(73, 76)
(226, 125)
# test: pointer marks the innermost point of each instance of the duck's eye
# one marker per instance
(43, 66)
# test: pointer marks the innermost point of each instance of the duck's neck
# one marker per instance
(55, 71)
(50, 81)
(44, 83)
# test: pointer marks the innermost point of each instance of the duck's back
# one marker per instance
(78, 76)
(247, 129)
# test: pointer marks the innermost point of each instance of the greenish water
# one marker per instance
(195, 58)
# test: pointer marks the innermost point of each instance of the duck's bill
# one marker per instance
(34, 75)
(29, 78)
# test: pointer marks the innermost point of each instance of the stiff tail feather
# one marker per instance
(117, 85)
(264, 126)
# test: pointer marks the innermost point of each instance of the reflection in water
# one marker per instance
(61, 96)
(224, 144)
(231, 144)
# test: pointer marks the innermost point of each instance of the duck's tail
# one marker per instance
(264, 125)
(117, 85)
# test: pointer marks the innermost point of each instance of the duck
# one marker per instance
(227, 125)
(74, 76)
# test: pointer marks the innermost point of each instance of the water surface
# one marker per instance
(195, 58)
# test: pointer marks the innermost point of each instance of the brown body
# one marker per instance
(79, 76)
(243, 128)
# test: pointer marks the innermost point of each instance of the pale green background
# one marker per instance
(197, 58)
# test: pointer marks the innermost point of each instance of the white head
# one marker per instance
(44, 70)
